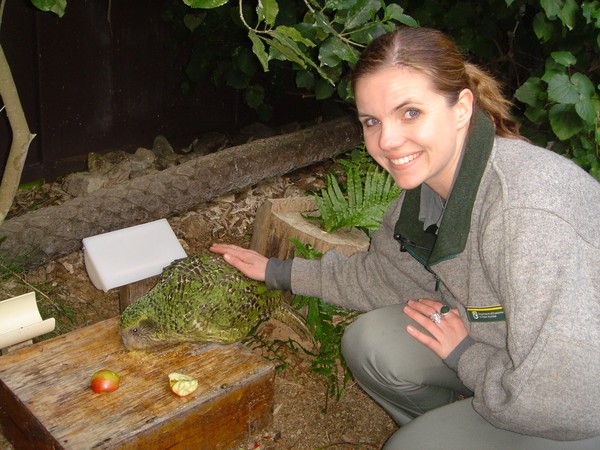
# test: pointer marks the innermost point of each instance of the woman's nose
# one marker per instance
(391, 137)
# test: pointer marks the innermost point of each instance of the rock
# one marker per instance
(207, 143)
(104, 162)
(82, 183)
(142, 159)
(162, 147)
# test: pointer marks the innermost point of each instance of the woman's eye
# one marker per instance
(411, 114)
(370, 122)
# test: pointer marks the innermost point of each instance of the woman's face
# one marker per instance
(410, 129)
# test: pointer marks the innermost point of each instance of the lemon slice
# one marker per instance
(182, 384)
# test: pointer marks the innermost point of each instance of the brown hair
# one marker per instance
(436, 55)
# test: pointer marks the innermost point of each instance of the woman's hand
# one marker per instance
(445, 335)
(249, 262)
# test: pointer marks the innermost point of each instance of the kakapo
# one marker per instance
(201, 298)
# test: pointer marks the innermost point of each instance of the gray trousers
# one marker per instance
(411, 382)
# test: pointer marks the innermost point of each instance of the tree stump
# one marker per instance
(279, 219)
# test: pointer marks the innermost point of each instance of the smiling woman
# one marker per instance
(469, 321)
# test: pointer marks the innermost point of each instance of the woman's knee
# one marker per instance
(376, 338)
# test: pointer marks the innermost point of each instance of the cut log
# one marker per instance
(58, 230)
(46, 401)
(279, 219)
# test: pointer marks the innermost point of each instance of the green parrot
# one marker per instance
(201, 298)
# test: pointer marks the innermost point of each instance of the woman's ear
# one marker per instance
(464, 107)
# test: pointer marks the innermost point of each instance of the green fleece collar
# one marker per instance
(451, 238)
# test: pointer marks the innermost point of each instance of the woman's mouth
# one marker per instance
(405, 159)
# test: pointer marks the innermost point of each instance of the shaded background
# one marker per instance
(107, 76)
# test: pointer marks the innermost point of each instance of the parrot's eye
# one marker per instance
(134, 330)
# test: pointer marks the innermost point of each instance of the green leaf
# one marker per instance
(305, 79)
(565, 121)
(586, 110)
(193, 21)
(205, 4)
(362, 12)
(58, 7)
(532, 92)
(267, 11)
(295, 35)
(561, 90)
(254, 96)
(564, 58)
(542, 28)
(364, 205)
(242, 59)
(551, 7)
(258, 48)
(584, 85)
(334, 50)
(568, 14)
(395, 12)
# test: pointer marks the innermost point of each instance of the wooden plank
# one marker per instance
(279, 219)
(46, 402)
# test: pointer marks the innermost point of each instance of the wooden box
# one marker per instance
(46, 401)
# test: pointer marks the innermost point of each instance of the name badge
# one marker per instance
(485, 313)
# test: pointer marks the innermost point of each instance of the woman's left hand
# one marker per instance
(445, 335)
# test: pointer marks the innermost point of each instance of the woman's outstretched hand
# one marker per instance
(249, 262)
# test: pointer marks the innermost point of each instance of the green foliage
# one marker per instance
(361, 202)
(328, 323)
(361, 206)
(56, 6)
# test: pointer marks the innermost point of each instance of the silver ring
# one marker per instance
(435, 317)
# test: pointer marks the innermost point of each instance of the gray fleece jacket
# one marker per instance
(519, 234)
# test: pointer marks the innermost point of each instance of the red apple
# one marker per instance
(104, 381)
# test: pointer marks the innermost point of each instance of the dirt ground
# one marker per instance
(300, 419)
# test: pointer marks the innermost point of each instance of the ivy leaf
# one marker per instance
(205, 4)
(58, 7)
(561, 90)
(267, 11)
(565, 121)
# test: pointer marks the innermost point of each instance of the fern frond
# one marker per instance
(364, 204)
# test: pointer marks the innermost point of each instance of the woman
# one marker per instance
(482, 285)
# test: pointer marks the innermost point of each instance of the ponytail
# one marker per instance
(489, 98)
